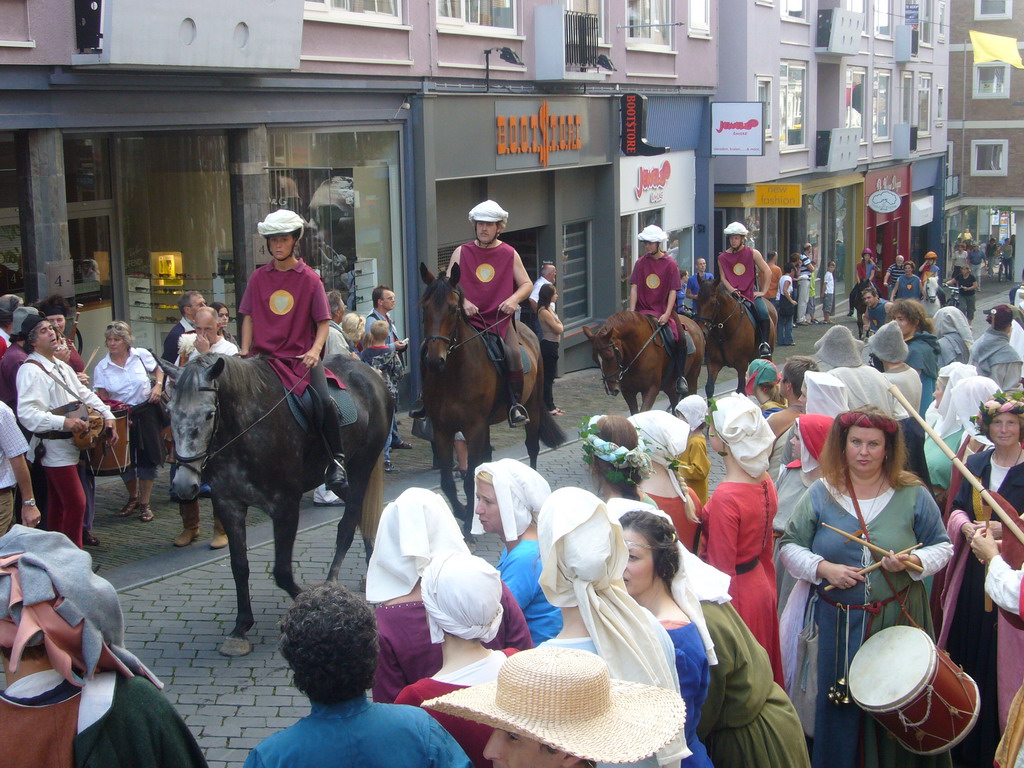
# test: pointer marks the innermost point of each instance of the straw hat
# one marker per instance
(564, 698)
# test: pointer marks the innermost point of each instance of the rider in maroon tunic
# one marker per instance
(740, 268)
(286, 318)
(494, 282)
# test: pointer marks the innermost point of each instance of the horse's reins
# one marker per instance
(206, 455)
(710, 324)
(452, 341)
(624, 369)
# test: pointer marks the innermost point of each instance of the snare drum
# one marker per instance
(914, 690)
(107, 459)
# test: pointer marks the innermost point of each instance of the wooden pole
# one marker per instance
(874, 548)
(968, 475)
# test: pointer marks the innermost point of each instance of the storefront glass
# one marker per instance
(90, 215)
(12, 274)
(174, 198)
(346, 184)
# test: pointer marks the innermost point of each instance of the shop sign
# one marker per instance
(737, 128)
(537, 136)
(777, 195)
(884, 201)
(653, 180)
(633, 113)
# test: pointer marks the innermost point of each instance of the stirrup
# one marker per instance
(765, 351)
(517, 416)
(336, 477)
(418, 410)
(682, 388)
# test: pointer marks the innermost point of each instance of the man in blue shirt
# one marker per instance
(700, 274)
(329, 639)
(877, 316)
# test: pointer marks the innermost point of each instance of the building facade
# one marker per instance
(986, 141)
(141, 146)
(854, 104)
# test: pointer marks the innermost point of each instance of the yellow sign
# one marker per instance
(777, 195)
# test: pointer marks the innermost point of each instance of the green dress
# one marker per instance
(940, 467)
(747, 720)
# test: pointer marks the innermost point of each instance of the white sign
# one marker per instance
(61, 279)
(737, 128)
(662, 181)
(884, 201)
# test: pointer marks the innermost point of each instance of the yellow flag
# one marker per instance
(995, 48)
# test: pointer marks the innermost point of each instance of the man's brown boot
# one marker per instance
(189, 523)
(220, 538)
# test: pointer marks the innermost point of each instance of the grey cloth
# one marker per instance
(953, 349)
(992, 349)
(838, 348)
(866, 386)
(888, 344)
(52, 566)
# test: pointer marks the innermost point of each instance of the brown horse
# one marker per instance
(463, 392)
(731, 338)
(860, 305)
(634, 360)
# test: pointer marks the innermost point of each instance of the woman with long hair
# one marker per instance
(922, 346)
(863, 490)
(551, 334)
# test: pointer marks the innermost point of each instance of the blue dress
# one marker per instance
(520, 570)
(694, 678)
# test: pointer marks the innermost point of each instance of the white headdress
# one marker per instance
(520, 492)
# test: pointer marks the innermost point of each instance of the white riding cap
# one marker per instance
(736, 229)
(489, 210)
(652, 234)
(281, 222)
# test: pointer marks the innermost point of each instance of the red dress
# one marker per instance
(686, 530)
(738, 541)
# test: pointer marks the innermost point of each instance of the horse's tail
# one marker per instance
(373, 501)
(550, 433)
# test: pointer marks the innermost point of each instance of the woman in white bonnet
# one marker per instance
(414, 529)
(509, 496)
(737, 538)
(462, 595)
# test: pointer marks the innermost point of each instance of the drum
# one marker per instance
(913, 689)
(107, 459)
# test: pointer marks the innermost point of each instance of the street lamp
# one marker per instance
(505, 54)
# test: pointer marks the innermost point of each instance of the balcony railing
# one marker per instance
(565, 44)
(581, 36)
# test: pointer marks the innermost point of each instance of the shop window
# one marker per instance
(700, 18)
(793, 9)
(87, 179)
(855, 98)
(345, 184)
(483, 13)
(880, 113)
(792, 76)
(649, 22)
(574, 299)
(764, 95)
(12, 272)
(883, 18)
(988, 157)
(373, 11)
(992, 81)
(924, 105)
(993, 9)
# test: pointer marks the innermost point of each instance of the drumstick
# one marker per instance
(876, 566)
(91, 358)
(876, 549)
(968, 475)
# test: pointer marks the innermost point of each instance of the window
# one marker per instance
(907, 98)
(926, 33)
(940, 20)
(883, 19)
(384, 11)
(993, 9)
(854, 100)
(764, 95)
(484, 13)
(700, 18)
(793, 9)
(792, 76)
(924, 105)
(857, 6)
(940, 103)
(575, 294)
(988, 157)
(992, 81)
(880, 113)
(589, 6)
(648, 21)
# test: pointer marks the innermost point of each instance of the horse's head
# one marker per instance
(607, 353)
(441, 308)
(707, 303)
(193, 411)
(931, 289)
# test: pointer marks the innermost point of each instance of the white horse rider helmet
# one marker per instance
(489, 210)
(736, 229)
(281, 222)
(652, 233)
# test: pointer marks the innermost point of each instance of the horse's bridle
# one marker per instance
(206, 455)
(615, 378)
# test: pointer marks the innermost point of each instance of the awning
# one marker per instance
(921, 211)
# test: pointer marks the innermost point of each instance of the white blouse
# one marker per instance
(128, 383)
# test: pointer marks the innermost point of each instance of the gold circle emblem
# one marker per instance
(738, 269)
(281, 302)
(653, 281)
(485, 273)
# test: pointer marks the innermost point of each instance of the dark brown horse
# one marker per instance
(731, 338)
(860, 305)
(634, 361)
(463, 392)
